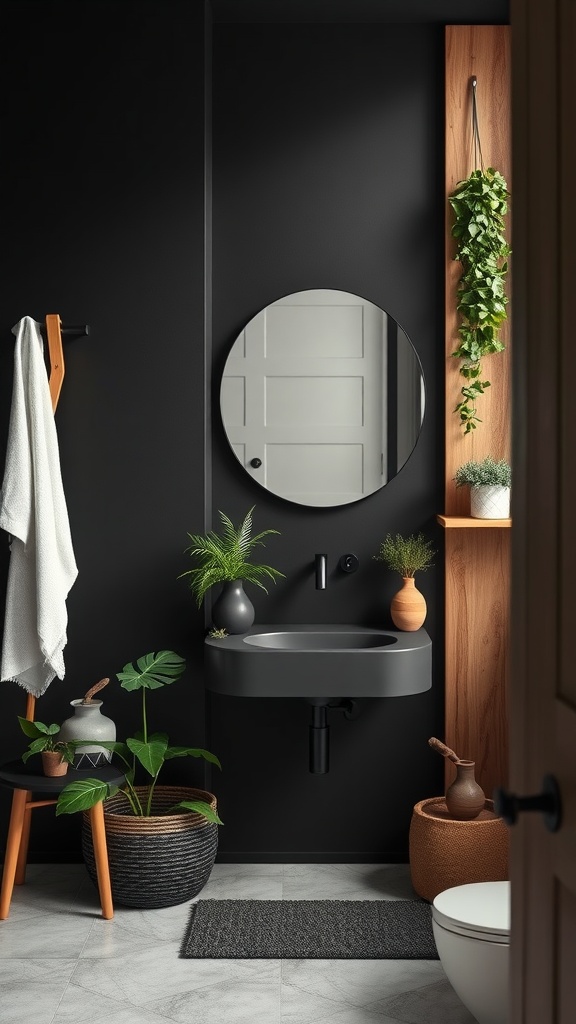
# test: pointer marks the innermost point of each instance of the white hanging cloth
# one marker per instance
(33, 511)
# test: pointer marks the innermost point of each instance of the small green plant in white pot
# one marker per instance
(489, 481)
(226, 558)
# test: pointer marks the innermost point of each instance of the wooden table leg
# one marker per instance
(13, 842)
(20, 876)
(101, 857)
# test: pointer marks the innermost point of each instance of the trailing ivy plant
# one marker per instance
(480, 203)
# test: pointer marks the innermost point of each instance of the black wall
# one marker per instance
(103, 223)
(326, 171)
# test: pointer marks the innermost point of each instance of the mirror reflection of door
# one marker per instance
(310, 398)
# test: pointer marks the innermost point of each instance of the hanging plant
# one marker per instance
(480, 204)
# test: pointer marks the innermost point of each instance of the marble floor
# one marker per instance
(61, 963)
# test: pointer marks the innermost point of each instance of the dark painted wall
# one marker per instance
(103, 222)
(327, 173)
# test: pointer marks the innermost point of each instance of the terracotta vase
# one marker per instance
(52, 763)
(408, 607)
(465, 798)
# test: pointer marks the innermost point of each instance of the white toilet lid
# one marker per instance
(479, 909)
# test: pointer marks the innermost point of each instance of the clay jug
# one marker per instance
(408, 607)
(465, 798)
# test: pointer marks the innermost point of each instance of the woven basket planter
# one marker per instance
(157, 861)
(445, 852)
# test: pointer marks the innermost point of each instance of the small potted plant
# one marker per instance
(162, 840)
(407, 555)
(56, 754)
(489, 483)
(225, 558)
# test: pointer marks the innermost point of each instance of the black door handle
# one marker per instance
(548, 802)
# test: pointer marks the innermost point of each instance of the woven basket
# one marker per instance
(445, 852)
(157, 861)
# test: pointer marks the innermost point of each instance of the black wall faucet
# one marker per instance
(320, 566)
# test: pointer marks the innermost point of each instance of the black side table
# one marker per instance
(26, 780)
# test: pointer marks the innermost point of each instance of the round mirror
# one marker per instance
(322, 398)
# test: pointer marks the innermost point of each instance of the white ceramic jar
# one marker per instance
(89, 723)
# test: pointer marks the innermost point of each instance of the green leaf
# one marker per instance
(36, 747)
(29, 728)
(202, 808)
(152, 671)
(227, 557)
(192, 752)
(114, 745)
(80, 796)
(47, 730)
(150, 755)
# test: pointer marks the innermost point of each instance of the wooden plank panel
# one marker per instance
(477, 626)
(477, 560)
(482, 51)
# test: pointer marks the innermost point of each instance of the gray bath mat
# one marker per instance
(310, 930)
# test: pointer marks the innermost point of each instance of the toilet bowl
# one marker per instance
(471, 925)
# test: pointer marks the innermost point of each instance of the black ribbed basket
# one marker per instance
(157, 861)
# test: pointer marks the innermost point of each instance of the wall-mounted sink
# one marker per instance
(313, 661)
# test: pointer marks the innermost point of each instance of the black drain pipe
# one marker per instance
(319, 740)
(319, 735)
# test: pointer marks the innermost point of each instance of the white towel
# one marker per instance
(33, 511)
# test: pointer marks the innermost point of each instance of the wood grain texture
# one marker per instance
(477, 614)
(468, 523)
(482, 51)
(56, 355)
(543, 690)
(477, 639)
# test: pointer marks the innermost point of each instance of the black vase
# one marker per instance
(232, 609)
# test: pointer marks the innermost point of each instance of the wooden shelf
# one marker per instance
(467, 523)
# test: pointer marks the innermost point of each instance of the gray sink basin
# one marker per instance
(318, 640)
(315, 661)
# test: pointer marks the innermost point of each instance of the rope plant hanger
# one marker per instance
(479, 203)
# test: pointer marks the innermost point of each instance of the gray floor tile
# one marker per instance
(235, 882)
(58, 934)
(347, 882)
(76, 1008)
(31, 990)
(357, 982)
(62, 963)
(430, 1004)
(252, 996)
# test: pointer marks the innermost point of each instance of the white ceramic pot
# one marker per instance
(88, 723)
(489, 502)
